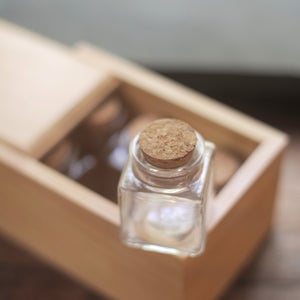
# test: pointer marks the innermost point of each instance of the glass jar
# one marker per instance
(164, 209)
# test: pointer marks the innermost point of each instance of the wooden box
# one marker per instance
(77, 230)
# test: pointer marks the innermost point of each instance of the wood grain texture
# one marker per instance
(44, 90)
(77, 230)
(149, 92)
(273, 273)
(163, 88)
(235, 239)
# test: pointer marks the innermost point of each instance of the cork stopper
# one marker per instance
(168, 143)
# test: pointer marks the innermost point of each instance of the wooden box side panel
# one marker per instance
(77, 231)
(44, 90)
(232, 242)
(144, 102)
(163, 88)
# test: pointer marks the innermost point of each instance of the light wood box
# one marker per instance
(76, 229)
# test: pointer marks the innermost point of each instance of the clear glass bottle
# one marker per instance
(164, 209)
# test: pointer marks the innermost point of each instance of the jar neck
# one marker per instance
(167, 178)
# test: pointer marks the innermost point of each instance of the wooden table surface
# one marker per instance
(273, 274)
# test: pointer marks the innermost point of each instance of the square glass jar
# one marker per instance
(164, 210)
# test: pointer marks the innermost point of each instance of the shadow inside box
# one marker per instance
(96, 151)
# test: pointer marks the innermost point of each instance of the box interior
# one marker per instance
(95, 151)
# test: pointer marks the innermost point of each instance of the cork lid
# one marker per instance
(168, 143)
(44, 90)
